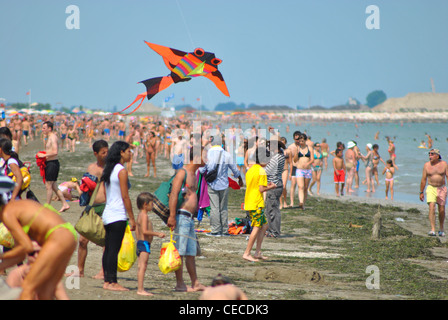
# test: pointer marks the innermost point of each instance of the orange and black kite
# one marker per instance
(183, 66)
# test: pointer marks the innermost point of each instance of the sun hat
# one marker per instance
(369, 145)
(351, 144)
(436, 151)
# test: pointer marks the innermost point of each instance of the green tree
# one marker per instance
(376, 97)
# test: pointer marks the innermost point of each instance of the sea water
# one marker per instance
(406, 136)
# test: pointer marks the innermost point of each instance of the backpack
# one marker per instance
(26, 176)
(162, 198)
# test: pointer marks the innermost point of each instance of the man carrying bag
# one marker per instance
(219, 161)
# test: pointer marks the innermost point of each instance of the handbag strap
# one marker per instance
(219, 159)
(185, 178)
(92, 198)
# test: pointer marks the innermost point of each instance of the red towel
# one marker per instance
(41, 163)
(87, 185)
(233, 184)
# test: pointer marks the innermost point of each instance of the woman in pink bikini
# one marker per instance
(389, 170)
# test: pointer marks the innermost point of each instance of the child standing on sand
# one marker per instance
(144, 233)
(257, 183)
(389, 170)
(339, 172)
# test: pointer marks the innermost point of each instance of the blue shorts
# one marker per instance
(185, 236)
(143, 246)
(178, 161)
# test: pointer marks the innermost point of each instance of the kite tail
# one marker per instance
(140, 96)
(155, 85)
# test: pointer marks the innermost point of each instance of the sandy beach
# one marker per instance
(293, 270)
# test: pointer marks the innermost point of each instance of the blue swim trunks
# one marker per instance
(178, 161)
(143, 246)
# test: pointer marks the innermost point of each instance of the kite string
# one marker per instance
(185, 23)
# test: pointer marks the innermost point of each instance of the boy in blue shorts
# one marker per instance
(144, 233)
(256, 184)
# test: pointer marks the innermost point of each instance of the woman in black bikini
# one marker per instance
(303, 172)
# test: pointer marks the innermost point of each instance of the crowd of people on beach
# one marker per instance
(202, 156)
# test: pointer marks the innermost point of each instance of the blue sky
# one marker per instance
(284, 52)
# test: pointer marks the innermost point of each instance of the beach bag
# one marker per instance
(162, 198)
(26, 176)
(128, 251)
(6, 238)
(211, 175)
(169, 259)
(90, 225)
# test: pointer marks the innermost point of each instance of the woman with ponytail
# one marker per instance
(118, 203)
(11, 165)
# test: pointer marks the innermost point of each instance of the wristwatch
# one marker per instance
(421, 192)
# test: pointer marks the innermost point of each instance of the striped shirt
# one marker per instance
(274, 168)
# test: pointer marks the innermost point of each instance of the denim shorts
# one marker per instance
(185, 236)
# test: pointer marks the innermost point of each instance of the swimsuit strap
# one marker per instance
(27, 227)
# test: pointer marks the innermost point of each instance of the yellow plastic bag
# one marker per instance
(6, 238)
(169, 257)
(128, 251)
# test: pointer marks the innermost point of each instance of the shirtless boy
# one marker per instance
(181, 220)
(144, 234)
(435, 171)
(52, 165)
(339, 172)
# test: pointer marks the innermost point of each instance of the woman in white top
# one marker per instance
(11, 165)
(118, 203)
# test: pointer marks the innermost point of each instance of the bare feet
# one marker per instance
(114, 287)
(99, 275)
(260, 257)
(250, 258)
(75, 274)
(64, 208)
(144, 293)
(196, 288)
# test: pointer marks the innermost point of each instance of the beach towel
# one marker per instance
(41, 164)
(88, 184)
(203, 198)
(233, 184)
